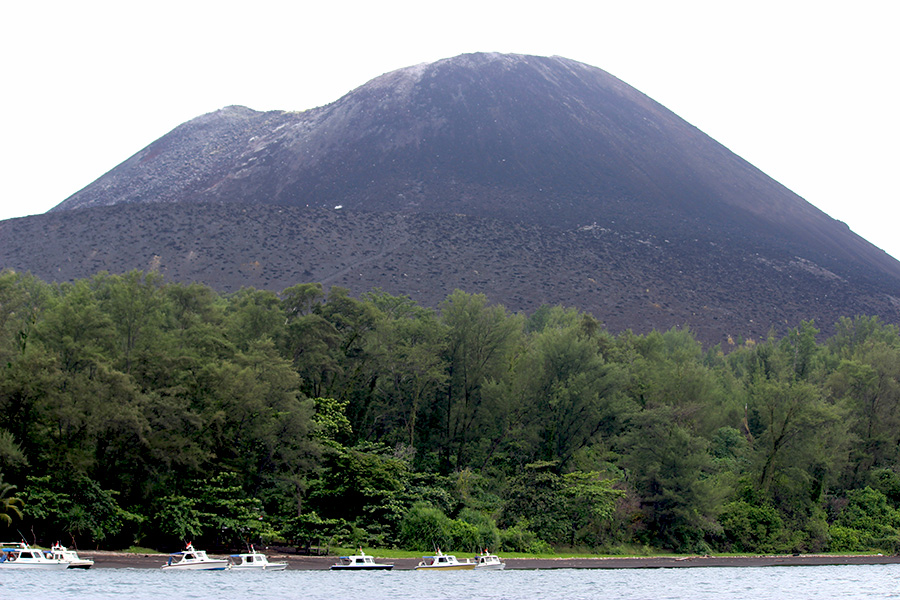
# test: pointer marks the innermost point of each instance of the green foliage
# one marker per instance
(519, 538)
(888, 483)
(74, 505)
(10, 505)
(220, 511)
(867, 522)
(570, 508)
(750, 528)
(846, 539)
(132, 409)
(366, 483)
(332, 425)
(179, 517)
(590, 496)
(484, 533)
(11, 455)
(667, 466)
(425, 528)
(309, 528)
(229, 511)
(480, 339)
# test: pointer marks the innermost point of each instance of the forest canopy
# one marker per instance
(136, 411)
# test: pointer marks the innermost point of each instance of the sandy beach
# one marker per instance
(121, 560)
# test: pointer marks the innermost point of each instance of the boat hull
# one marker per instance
(39, 566)
(362, 568)
(265, 567)
(200, 566)
(457, 567)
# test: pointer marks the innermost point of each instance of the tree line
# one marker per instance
(139, 412)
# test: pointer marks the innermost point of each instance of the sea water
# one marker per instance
(741, 583)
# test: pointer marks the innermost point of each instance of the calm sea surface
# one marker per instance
(745, 583)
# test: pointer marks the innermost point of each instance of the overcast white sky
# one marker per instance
(807, 91)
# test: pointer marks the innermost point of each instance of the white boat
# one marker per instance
(488, 562)
(20, 556)
(191, 559)
(70, 557)
(359, 562)
(254, 560)
(443, 562)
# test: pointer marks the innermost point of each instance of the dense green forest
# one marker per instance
(134, 411)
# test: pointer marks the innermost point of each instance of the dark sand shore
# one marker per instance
(120, 560)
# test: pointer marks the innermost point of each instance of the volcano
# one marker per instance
(534, 180)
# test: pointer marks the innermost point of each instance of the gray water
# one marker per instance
(744, 583)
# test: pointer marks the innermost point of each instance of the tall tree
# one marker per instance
(572, 396)
(868, 385)
(480, 338)
(134, 304)
(408, 348)
(669, 468)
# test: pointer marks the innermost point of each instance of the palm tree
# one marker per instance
(10, 506)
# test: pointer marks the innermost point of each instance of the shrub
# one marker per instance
(487, 535)
(844, 539)
(519, 539)
(751, 528)
(424, 528)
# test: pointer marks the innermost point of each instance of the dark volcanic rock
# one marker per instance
(627, 279)
(546, 140)
(534, 180)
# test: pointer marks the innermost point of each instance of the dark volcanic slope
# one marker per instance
(534, 180)
(627, 279)
(521, 138)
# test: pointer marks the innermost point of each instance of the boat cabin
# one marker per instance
(20, 551)
(249, 560)
(440, 559)
(13, 554)
(360, 561)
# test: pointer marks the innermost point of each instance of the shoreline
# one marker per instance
(123, 560)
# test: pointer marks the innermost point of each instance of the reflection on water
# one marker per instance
(767, 583)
